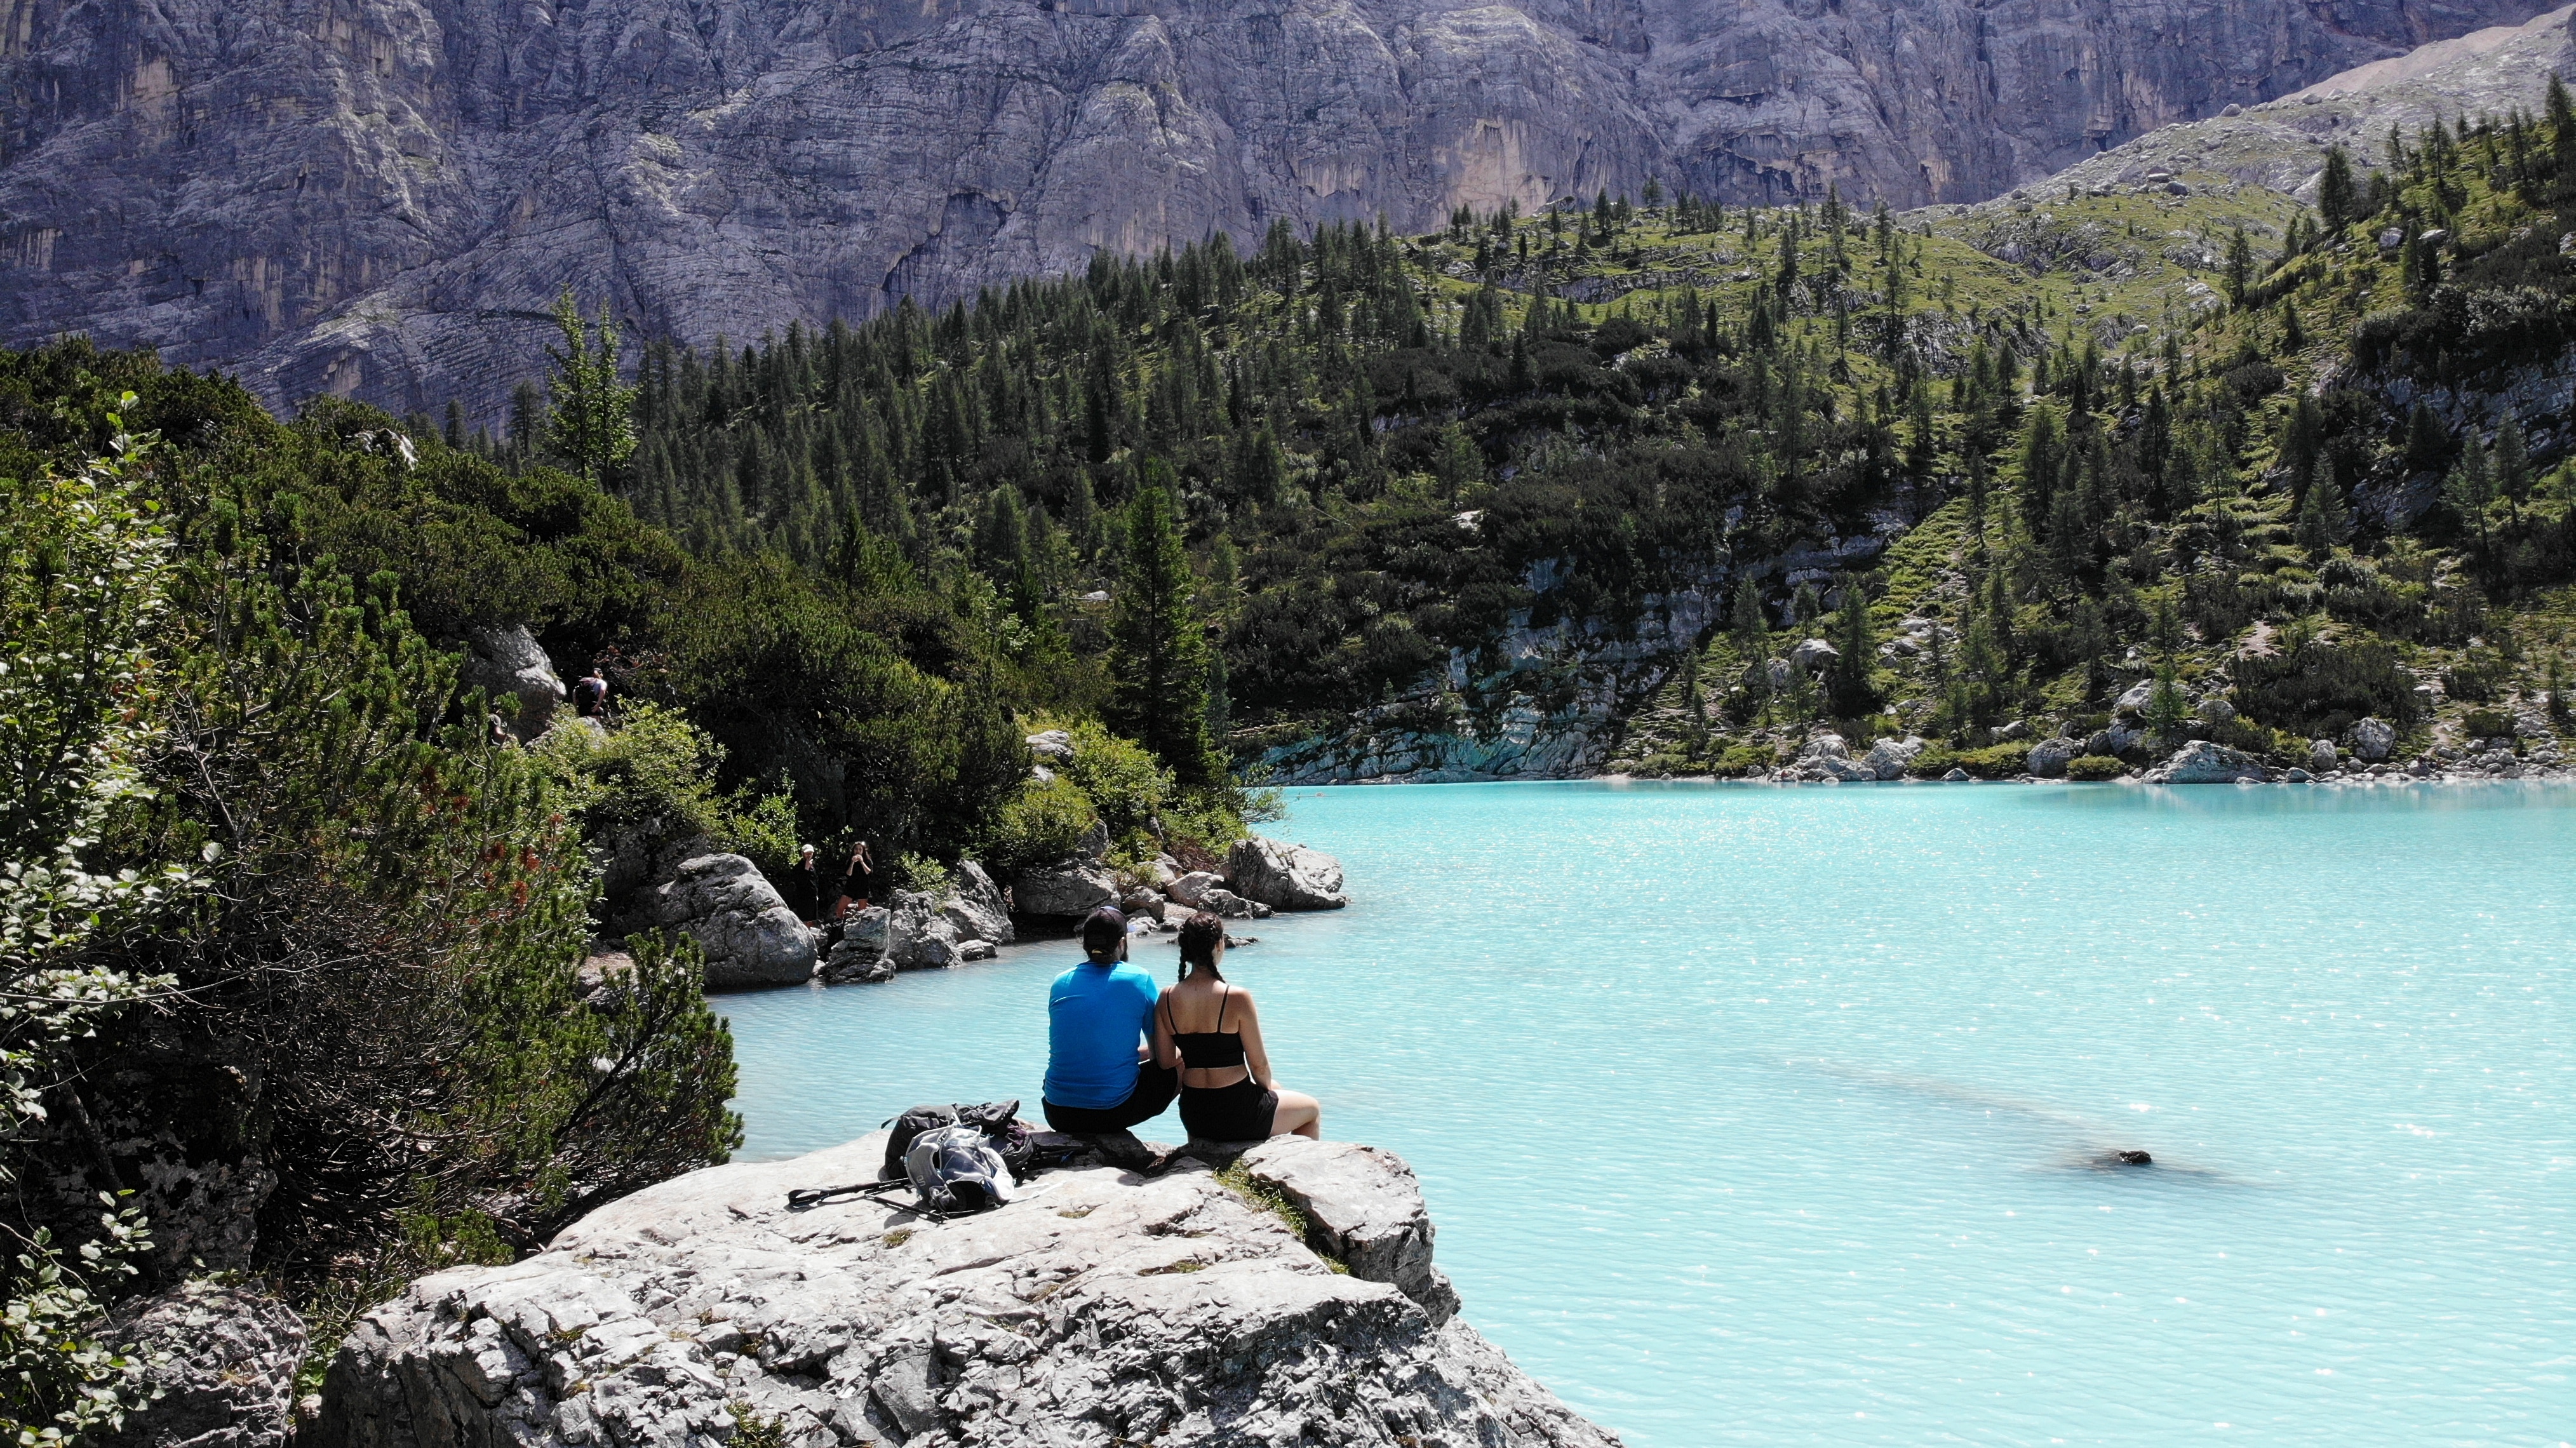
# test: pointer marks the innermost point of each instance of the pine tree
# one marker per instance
(2337, 199)
(1158, 649)
(591, 423)
(1850, 681)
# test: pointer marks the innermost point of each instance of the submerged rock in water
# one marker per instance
(1098, 1307)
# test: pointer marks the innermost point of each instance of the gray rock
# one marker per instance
(2011, 733)
(749, 935)
(2296, 776)
(1054, 746)
(1956, 776)
(1823, 746)
(2322, 756)
(2202, 762)
(1191, 887)
(1097, 1306)
(228, 1376)
(2119, 739)
(2215, 710)
(507, 664)
(1839, 769)
(2133, 700)
(973, 905)
(1363, 1208)
(2373, 738)
(1070, 888)
(2048, 758)
(1813, 654)
(918, 936)
(1227, 905)
(1890, 758)
(1285, 876)
(853, 963)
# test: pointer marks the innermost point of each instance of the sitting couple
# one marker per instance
(1117, 1049)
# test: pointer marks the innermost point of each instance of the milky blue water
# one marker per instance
(1756, 1115)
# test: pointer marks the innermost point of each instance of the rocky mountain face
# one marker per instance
(380, 198)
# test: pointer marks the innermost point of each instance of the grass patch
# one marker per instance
(898, 1236)
(1264, 1197)
(1182, 1266)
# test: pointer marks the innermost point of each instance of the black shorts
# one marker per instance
(1243, 1111)
(1154, 1088)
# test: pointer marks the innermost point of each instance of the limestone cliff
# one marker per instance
(381, 197)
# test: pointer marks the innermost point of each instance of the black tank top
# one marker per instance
(1207, 1050)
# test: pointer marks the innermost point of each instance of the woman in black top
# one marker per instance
(1208, 1027)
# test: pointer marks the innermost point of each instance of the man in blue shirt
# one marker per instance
(1100, 1026)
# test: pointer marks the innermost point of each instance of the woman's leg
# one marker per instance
(1298, 1114)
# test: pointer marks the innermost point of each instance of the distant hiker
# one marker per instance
(1207, 1026)
(803, 887)
(590, 696)
(1101, 1075)
(858, 879)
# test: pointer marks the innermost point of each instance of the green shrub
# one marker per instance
(1120, 777)
(2094, 768)
(1041, 824)
(2488, 724)
(1933, 761)
(1740, 760)
(657, 771)
(1995, 761)
(918, 873)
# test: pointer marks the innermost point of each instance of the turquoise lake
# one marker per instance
(1760, 1115)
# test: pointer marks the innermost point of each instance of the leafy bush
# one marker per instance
(2488, 724)
(2094, 768)
(655, 772)
(1996, 761)
(2321, 689)
(1740, 760)
(1042, 824)
(1933, 761)
(1126, 787)
(918, 873)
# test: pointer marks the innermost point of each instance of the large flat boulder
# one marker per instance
(1285, 876)
(749, 935)
(1097, 1308)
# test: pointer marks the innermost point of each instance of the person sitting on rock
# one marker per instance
(1101, 1072)
(1227, 1091)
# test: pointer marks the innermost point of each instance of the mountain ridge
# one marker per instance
(383, 206)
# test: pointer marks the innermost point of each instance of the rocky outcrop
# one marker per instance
(1285, 876)
(1890, 758)
(228, 1354)
(972, 906)
(2372, 739)
(1098, 1307)
(507, 664)
(749, 935)
(1066, 890)
(1363, 1208)
(2202, 762)
(385, 199)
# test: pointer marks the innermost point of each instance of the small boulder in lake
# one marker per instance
(1227, 905)
(1190, 888)
(1072, 888)
(2373, 738)
(748, 934)
(973, 905)
(1890, 758)
(2202, 762)
(854, 963)
(2049, 757)
(918, 936)
(1285, 876)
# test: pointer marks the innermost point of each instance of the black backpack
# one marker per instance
(998, 1120)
